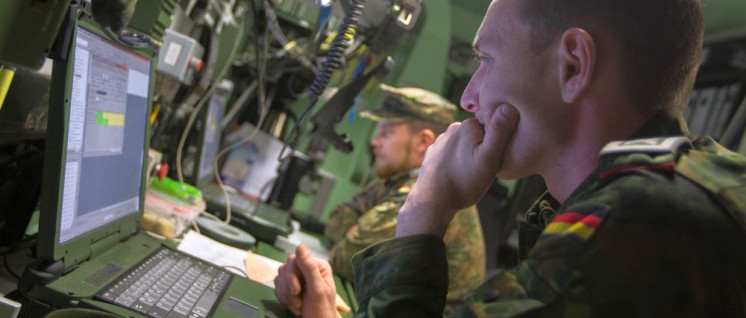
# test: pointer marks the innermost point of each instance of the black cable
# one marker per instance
(334, 56)
(336, 51)
(11, 248)
(302, 115)
(7, 266)
(293, 135)
(257, 45)
(290, 82)
(316, 37)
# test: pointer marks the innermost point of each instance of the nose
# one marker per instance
(470, 97)
(375, 142)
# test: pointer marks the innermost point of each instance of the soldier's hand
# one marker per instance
(305, 285)
(288, 285)
(457, 170)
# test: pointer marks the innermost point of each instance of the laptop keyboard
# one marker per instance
(169, 284)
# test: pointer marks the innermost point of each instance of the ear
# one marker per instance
(424, 139)
(577, 51)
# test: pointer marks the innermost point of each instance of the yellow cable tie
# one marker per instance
(154, 113)
(289, 46)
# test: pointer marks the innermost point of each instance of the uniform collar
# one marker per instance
(399, 177)
(663, 124)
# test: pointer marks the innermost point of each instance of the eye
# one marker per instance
(486, 60)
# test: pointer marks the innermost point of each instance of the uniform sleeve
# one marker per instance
(407, 277)
(402, 277)
(375, 225)
(465, 253)
(345, 215)
(341, 219)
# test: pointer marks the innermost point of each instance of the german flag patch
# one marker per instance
(573, 223)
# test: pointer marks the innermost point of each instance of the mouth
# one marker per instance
(475, 119)
(479, 119)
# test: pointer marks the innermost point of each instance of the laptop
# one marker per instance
(251, 169)
(91, 251)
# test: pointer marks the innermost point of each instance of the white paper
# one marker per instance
(315, 246)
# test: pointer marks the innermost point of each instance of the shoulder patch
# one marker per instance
(573, 223)
(647, 145)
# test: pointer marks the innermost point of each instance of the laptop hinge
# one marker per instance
(104, 244)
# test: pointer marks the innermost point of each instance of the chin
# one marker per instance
(382, 174)
(509, 170)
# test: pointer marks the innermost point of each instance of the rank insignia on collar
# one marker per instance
(647, 145)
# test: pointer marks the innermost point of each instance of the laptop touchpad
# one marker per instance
(241, 309)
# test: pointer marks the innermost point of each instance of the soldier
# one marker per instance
(641, 219)
(408, 123)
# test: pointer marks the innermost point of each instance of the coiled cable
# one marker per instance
(345, 37)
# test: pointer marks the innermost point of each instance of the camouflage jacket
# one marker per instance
(464, 244)
(652, 233)
(345, 215)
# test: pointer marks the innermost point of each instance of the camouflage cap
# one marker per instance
(409, 103)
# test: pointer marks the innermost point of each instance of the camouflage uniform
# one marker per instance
(656, 231)
(371, 216)
(346, 214)
(463, 243)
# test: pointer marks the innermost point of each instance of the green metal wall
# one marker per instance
(724, 16)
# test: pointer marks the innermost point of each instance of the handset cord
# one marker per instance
(345, 37)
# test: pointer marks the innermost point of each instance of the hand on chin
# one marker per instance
(459, 167)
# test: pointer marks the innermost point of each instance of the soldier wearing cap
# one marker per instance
(408, 123)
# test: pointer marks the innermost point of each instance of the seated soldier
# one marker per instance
(408, 123)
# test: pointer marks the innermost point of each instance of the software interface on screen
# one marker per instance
(106, 135)
(211, 139)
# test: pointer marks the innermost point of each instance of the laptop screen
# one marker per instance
(95, 146)
(107, 122)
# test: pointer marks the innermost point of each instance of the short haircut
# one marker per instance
(416, 126)
(661, 41)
